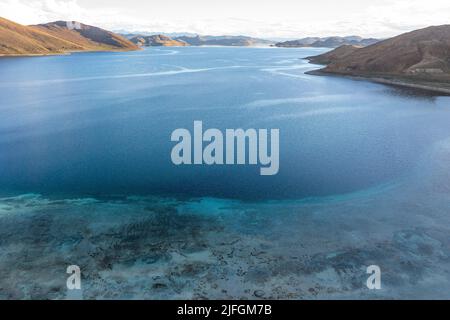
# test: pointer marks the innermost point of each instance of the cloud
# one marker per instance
(30, 12)
(261, 18)
(403, 15)
(35, 12)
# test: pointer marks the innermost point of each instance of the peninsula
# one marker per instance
(418, 59)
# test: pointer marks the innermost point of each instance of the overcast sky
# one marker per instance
(260, 18)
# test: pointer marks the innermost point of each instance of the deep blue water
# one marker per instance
(100, 123)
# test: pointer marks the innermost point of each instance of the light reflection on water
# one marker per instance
(100, 123)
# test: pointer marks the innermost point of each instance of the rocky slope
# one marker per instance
(57, 38)
(333, 55)
(328, 42)
(419, 58)
(157, 40)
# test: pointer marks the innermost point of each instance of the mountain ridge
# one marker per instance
(57, 37)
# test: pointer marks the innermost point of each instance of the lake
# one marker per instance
(85, 141)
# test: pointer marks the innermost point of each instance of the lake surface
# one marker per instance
(100, 123)
(86, 178)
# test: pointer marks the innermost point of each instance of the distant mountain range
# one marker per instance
(327, 42)
(127, 34)
(57, 38)
(224, 41)
(68, 36)
(196, 40)
(418, 59)
(157, 40)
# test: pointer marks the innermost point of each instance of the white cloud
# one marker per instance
(406, 15)
(34, 12)
(263, 18)
(29, 12)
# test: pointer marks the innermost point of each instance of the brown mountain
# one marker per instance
(157, 40)
(333, 55)
(16, 39)
(419, 58)
(57, 38)
(89, 37)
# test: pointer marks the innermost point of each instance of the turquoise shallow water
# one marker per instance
(86, 179)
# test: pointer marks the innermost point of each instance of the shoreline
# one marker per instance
(30, 55)
(421, 85)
